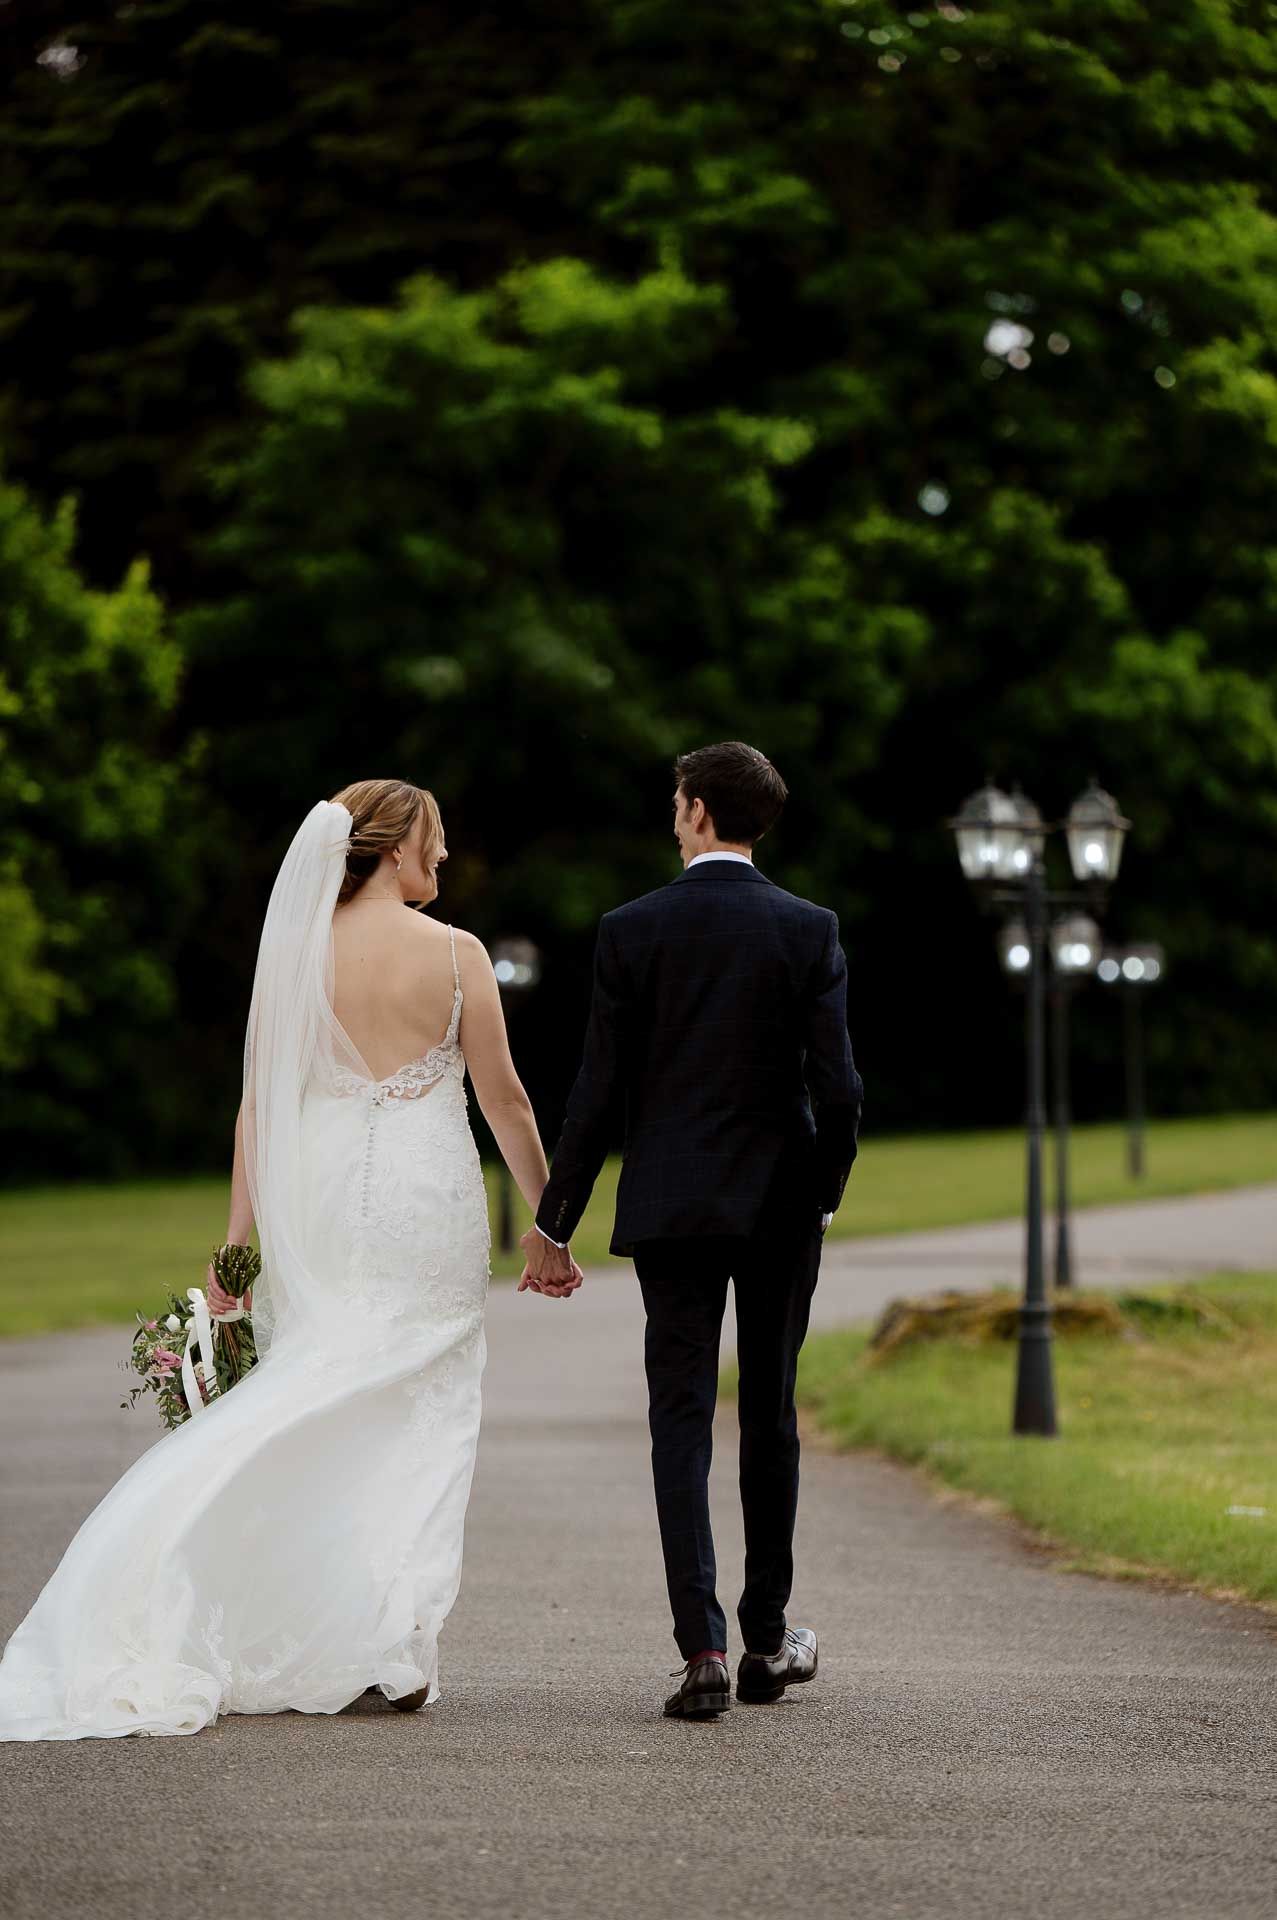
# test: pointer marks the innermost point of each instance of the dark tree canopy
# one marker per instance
(96, 873)
(510, 400)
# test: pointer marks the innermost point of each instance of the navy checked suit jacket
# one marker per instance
(718, 1026)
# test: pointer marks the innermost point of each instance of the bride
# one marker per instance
(299, 1541)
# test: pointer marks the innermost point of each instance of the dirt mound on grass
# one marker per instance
(995, 1315)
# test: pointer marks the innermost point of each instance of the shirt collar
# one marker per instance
(742, 857)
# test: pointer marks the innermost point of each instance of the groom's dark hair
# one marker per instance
(742, 791)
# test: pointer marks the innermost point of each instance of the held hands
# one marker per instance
(549, 1269)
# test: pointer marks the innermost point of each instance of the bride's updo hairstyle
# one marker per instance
(383, 814)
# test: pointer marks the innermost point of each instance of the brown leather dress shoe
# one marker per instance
(705, 1692)
(763, 1677)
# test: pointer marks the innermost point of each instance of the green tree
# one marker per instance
(176, 179)
(1015, 268)
(95, 868)
(530, 578)
(892, 385)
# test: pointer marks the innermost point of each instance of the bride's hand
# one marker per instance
(570, 1286)
(219, 1301)
(553, 1290)
(549, 1270)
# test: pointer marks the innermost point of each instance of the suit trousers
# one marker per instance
(774, 1271)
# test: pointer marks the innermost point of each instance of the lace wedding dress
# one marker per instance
(300, 1539)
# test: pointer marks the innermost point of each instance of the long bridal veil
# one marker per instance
(290, 1021)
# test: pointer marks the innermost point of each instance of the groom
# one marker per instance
(719, 1025)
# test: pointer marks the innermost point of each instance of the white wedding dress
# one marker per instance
(300, 1539)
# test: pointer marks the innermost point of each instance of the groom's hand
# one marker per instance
(549, 1269)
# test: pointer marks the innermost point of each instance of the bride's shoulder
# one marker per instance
(470, 950)
(476, 974)
(435, 936)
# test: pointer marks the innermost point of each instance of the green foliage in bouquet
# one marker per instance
(236, 1268)
(159, 1343)
(235, 1349)
(158, 1346)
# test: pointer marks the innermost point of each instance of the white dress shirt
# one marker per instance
(695, 861)
(698, 857)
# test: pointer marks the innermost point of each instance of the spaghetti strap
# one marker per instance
(454, 1025)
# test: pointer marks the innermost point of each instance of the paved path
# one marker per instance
(988, 1736)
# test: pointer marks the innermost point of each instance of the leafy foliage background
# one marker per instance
(512, 400)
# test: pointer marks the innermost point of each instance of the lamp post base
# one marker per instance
(1034, 1381)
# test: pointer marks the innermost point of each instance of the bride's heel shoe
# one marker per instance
(411, 1701)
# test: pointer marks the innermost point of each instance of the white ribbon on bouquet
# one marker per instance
(199, 1333)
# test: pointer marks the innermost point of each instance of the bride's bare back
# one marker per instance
(392, 982)
(393, 986)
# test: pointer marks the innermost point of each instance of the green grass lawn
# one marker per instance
(70, 1256)
(948, 1180)
(1160, 1436)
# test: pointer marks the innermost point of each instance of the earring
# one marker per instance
(398, 861)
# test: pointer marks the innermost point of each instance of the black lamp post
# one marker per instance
(517, 964)
(1075, 953)
(1000, 839)
(1134, 969)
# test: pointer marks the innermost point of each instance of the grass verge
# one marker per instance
(1164, 1465)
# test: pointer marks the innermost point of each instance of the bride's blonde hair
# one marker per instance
(383, 813)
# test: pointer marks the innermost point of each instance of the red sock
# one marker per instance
(711, 1653)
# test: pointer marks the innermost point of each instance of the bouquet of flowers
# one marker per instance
(164, 1348)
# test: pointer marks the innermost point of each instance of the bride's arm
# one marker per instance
(239, 1224)
(498, 1089)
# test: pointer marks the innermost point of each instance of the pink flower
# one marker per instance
(151, 1325)
(163, 1358)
